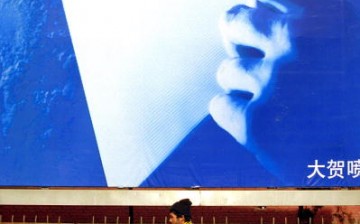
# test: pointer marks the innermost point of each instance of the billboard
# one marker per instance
(252, 93)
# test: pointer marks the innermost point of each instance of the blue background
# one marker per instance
(47, 136)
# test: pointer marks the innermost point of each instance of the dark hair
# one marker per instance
(182, 208)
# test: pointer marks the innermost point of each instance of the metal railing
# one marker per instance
(155, 220)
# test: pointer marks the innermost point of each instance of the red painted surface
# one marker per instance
(157, 214)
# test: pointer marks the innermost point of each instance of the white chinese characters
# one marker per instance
(335, 169)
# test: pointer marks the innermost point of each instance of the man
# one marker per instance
(180, 212)
(308, 111)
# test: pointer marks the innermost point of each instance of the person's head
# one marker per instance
(261, 34)
(312, 105)
(180, 212)
(256, 37)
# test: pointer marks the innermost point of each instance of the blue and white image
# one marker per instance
(238, 93)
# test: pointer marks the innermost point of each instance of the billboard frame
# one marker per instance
(165, 197)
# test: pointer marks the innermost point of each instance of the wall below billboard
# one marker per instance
(158, 214)
(163, 197)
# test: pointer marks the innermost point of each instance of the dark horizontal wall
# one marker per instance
(201, 214)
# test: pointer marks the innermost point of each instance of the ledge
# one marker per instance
(165, 197)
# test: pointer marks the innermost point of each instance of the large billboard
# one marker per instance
(180, 93)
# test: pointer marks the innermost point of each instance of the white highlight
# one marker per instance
(148, 69)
